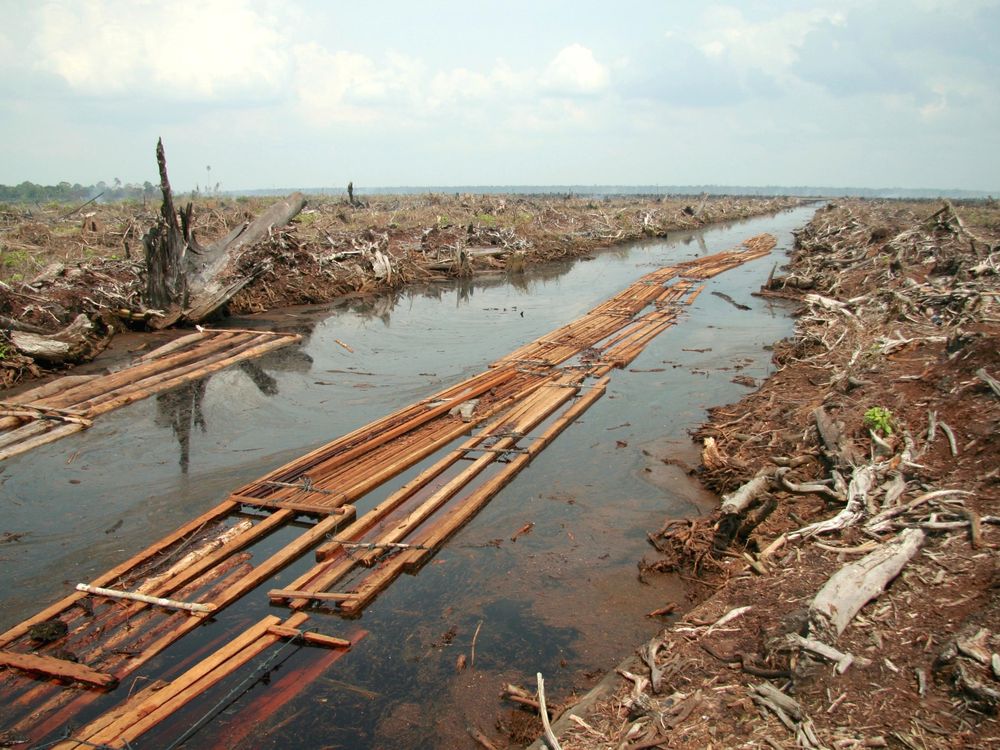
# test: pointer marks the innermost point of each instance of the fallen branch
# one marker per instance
(992, 382)
(157, 600)
(549, 735)
(857, 583)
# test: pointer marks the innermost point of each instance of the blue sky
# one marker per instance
(279, 93)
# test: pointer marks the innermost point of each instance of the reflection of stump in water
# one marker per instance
(180, 409)
(266, 384)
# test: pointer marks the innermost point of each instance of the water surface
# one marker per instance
(563, 599)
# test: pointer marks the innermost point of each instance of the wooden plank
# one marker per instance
(19, 630)
(460, 514)
(145, 714)
(299, 594)
(244, 540)
(171, 346)
(140, 389)
(111, 381)
(315, 639)
(117, 712)
(44, 434)
(538, 407)
(61, 668)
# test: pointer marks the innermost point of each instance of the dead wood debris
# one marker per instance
(861, 531)
(332, 249)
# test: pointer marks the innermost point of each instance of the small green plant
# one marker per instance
(879, 419)
(488, 219)
(4, 351)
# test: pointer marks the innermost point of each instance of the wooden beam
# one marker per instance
(67, 670)
(314, 639)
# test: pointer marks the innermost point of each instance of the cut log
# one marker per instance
(72, 344)
(856, 584)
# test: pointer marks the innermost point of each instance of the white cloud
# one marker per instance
(770, 46)
(186, 49)
(575, 71)
(346, 86)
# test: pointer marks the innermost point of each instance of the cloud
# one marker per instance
(348, 87)
(575, 71)
(187, 49)
(770, 46)
(882, 50)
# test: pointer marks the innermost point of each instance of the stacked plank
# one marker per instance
(70, 404)
(713, 265)
(480, 433)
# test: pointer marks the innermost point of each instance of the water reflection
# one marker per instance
(181, 409)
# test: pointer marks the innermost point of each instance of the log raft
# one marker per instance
(69, 405)
(478, 433)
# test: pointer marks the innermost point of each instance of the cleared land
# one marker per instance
(853, 567)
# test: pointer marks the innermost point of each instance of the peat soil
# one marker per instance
(880, 420)
(57, 263)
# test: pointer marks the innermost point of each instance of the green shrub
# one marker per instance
(879, 419)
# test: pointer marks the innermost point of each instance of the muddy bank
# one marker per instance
(58, 264)
(871, 451)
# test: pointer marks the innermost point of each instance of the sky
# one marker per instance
(305, 93)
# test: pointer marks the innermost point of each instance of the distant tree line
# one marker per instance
(64, 192)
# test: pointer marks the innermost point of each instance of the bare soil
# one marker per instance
(898, 311)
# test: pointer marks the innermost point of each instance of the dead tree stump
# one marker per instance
(166, 251)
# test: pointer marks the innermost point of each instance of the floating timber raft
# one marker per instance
(70, 404)
(64, 664)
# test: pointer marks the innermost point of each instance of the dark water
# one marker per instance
(563, 599)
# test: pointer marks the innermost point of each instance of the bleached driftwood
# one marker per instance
(805, 488)
(550, 736)
(883, 521)
(856, 584)
(737, 501)
(857, 499)
(157, 600)
(824, 650)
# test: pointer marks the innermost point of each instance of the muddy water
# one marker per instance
(564, 599)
